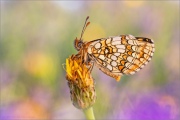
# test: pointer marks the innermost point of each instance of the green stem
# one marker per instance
(89, 113)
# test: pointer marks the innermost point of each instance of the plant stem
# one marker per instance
(89, 113)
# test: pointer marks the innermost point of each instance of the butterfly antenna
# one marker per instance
(85, 26)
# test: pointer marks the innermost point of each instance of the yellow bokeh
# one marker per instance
(134, 3)
(39, 64)
(94, 31)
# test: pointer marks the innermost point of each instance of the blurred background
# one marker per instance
(37, 37)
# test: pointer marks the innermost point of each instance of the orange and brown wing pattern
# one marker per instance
(123, 54)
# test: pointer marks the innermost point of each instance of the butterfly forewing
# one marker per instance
(123, 54)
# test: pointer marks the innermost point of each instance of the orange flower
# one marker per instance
(80, 82)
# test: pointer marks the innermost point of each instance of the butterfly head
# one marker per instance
(78, 44)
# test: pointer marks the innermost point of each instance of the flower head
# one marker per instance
(80, 82)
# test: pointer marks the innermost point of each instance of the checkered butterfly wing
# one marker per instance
(120, 55)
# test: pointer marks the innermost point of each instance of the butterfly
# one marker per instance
(117, 55)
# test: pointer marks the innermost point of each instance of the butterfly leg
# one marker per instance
(91, 66)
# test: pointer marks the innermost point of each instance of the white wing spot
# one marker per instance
(106, 51)
(130, 59)
(146, 51)
(114, 63)
(101, 57)
(116, 43)
(141, 59)
(130, 42)
(98, 45)
(151, 54)
(89, 50)
(130, 37)
(132, 72)
(152, 40)
(134, 48)
(121, 50)
(134, 55)
(127, 64)
(108, 41)
(137, 69)
(146, 63)
(113, 57)
(142, 66)
(116, 38)
(120, 46)
(116, 54)
(109, 67)
(149, 59)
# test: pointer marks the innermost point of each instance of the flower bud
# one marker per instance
(80, 82)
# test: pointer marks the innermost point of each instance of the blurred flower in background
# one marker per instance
(156, 103)
(150, 106)
(40, 65)
(160, 103)
(37, 37)
(24, 109)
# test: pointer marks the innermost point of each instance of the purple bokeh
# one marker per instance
(149, 107)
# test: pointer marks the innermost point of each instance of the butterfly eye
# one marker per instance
(80, 44)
